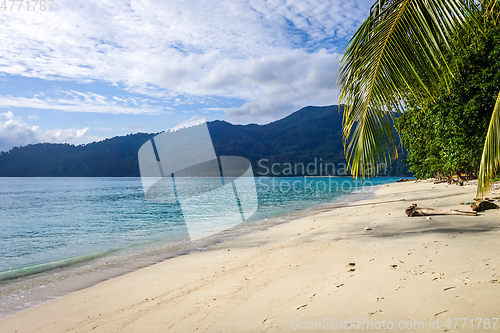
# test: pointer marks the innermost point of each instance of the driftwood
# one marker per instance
(450, 181)
(457, 181)
(405, 180)
(483, 205)
(414, 211)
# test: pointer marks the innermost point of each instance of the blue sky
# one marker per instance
(89, 70)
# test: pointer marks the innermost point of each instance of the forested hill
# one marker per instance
(305, 135)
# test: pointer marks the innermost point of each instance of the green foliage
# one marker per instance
(399, 52)
(406, 51)
(447, 134)
(418, 136)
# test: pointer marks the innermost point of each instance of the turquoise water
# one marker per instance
(48, 219)
(50, 224)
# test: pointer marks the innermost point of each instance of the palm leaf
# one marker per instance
(399, 52)
(489, 7)
(490, 161)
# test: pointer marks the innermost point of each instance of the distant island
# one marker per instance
(309, 135)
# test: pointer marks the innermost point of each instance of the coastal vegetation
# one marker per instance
(447, 134)
(433, 65)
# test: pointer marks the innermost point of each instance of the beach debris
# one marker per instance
(302, 306)
(413, 210)
(456, 181)
(445, 289)
(368, 229)
(437, 314)
(468, 203)
(402, 180)
(428, 218)
(351, 264)
(372, 313)
(483, 205)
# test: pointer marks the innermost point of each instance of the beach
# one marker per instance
(343, 269)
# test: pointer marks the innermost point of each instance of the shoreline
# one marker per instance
(25, 292)
(321, 266)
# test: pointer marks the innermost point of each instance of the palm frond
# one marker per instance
(490, 161)
(399, 50)
(489, 7)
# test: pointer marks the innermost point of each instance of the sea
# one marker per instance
(59, 235)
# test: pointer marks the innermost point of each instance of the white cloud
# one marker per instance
(207, 110)
(14, 132)
(285, 83)
(193, 121)
(60, 135)
(33, 117)
(75, 101)
(9, 115)
(185, 51)
(105, 129)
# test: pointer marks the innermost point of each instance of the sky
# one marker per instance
(89, 70)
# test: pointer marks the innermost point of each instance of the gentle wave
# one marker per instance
(43, 267)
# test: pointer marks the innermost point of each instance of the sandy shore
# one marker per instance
(310, 273)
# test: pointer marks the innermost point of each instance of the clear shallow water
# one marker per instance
(61, 234)
(48, 219)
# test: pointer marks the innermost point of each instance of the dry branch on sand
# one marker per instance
(414, 211)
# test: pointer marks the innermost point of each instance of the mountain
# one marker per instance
(310, 135)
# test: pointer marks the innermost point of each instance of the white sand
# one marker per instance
(405, 269)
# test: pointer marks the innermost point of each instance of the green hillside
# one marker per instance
(308, 135)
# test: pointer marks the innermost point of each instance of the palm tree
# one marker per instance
(401, 54)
